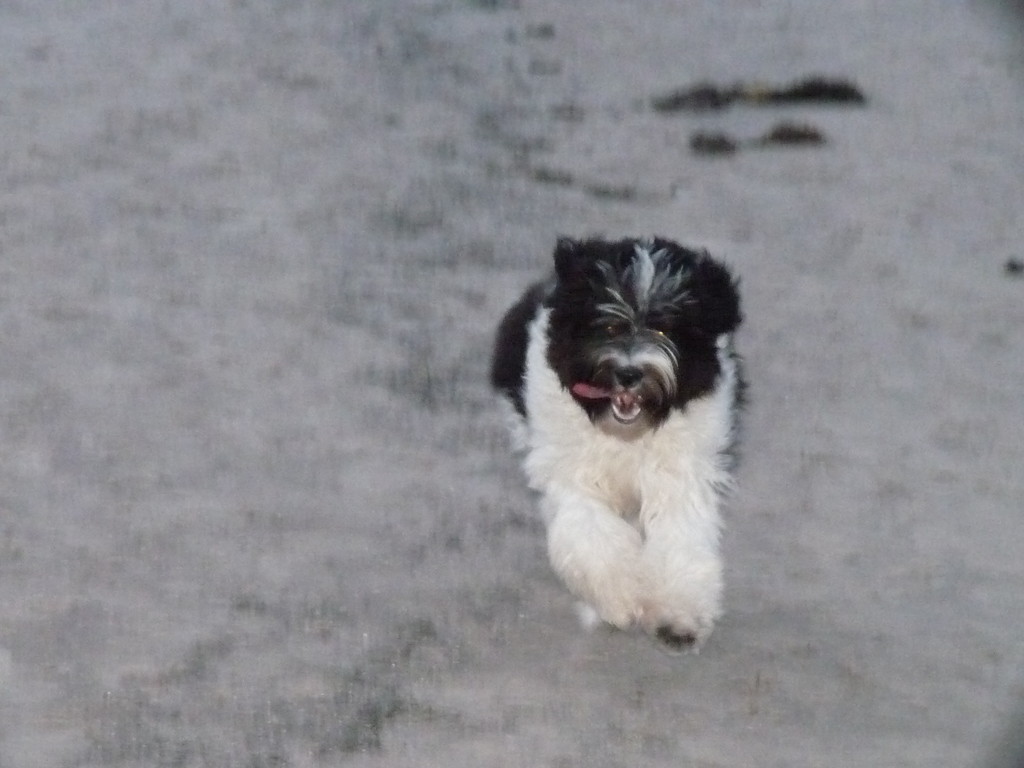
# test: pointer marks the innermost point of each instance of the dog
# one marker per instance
(625, 388)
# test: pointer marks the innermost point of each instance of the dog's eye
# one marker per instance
(616, 328)
(659, 325)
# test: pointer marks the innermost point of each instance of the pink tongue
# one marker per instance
(589, 391)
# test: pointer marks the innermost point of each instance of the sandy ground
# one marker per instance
(256, 505)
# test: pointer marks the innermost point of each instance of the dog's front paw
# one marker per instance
(676, 640)
(677, 631)
(683, 599)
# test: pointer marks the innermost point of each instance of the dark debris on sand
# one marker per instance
(792, 135)
(708, 96)
(783, 134)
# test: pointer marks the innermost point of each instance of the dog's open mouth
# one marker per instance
(626, 404)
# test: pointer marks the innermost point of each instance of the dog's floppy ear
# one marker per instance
(569, 259)
(718, 297)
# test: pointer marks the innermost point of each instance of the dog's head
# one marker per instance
(637, 328)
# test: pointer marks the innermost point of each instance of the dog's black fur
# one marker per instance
(688, 315)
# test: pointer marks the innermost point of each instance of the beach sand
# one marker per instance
(257, 505)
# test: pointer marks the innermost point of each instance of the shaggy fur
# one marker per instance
(621, 372)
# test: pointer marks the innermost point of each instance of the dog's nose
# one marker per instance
(628, 376)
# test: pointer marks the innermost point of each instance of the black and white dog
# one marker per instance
(625, 386)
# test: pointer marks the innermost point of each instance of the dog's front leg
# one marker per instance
(683, 573)
(596, 553)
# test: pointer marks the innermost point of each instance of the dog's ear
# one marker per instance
(718, 296)
(570, 259)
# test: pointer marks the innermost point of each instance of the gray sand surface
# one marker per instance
(257, 507)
